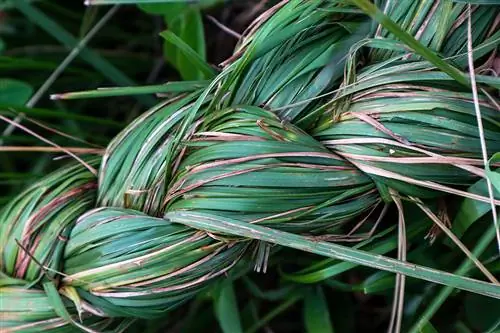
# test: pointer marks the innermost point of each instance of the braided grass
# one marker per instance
(318, 119)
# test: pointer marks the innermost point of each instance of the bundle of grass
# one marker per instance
(311, 37)
(411, 129)
(34, 312)
(139, 162)
(441, 27)
(291, 55)
(123, 263)
(106, 263)
(216, 161)
(37, 223)
(244, 163)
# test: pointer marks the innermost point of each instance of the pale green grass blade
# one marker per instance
(493, 176)
(219, 224)
(167, 88)
(326, 269)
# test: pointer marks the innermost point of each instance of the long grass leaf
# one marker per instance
(215, 223)
(170, 87)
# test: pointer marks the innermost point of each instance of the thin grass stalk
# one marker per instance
(480, 127)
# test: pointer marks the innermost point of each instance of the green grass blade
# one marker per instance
(14, 92)
(428, 329)
(185, 21)
(220, 224)
(171, 87)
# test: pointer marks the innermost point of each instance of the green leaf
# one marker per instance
(190, 56)
(494, 176)
(190, 30)
(14, 92)
(174, 18)
(173, 14)
(226, 309)
(186, 22)
(316, 313)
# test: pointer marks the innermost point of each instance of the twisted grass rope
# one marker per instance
(97, 253)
